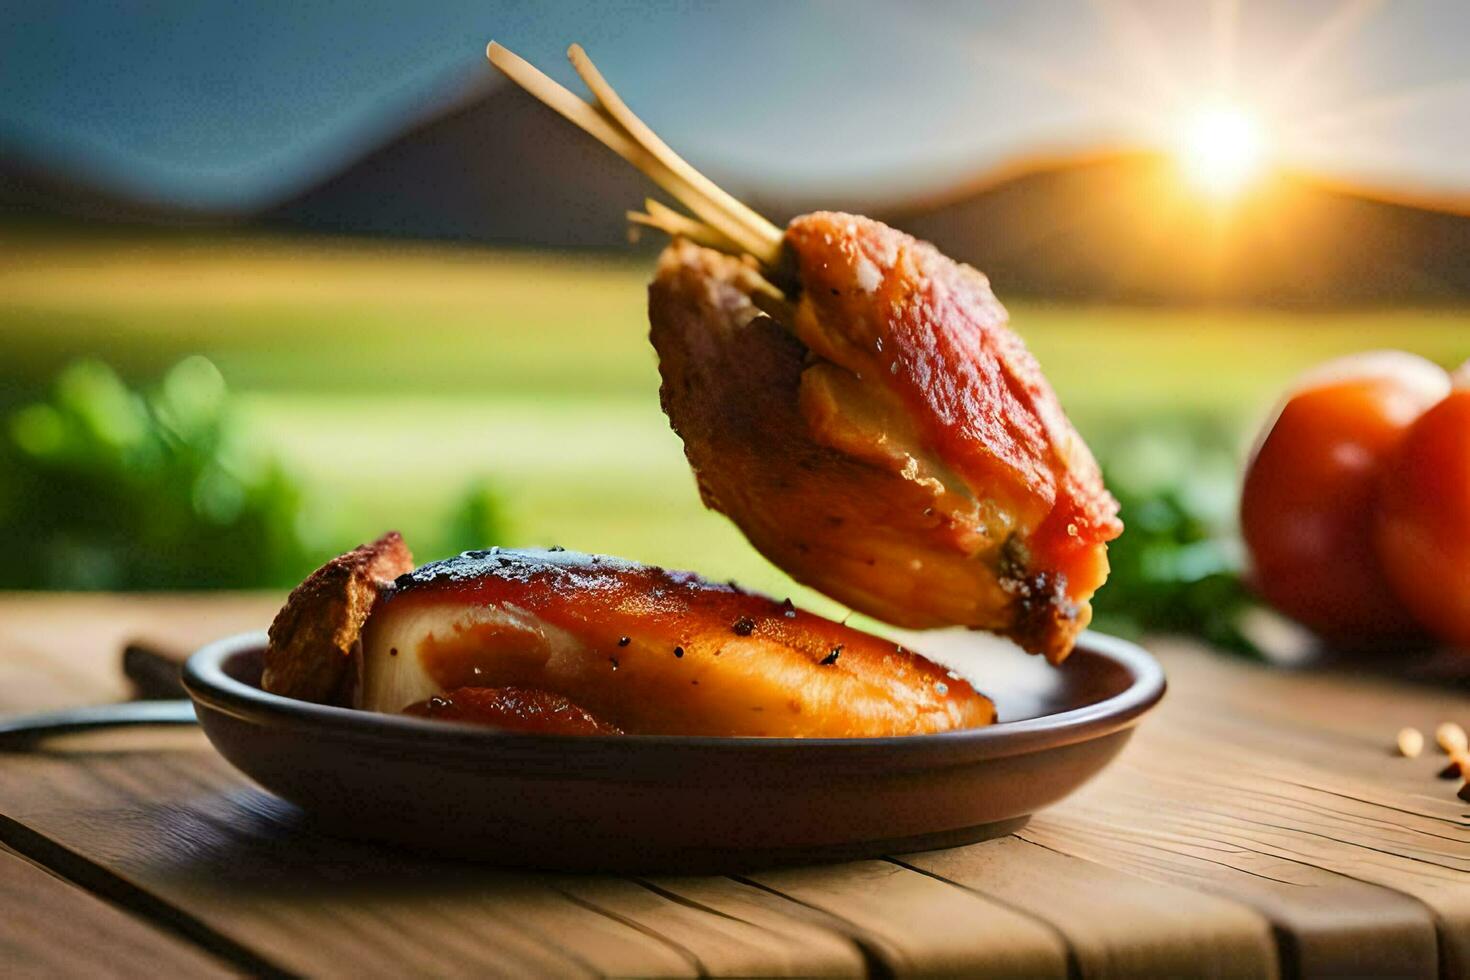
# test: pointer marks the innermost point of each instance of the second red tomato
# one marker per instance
(1308, 504)
(1423, 525)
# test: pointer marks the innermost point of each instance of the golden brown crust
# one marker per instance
(866, 533)
(919, 326)
(313, 636)
(649, 650)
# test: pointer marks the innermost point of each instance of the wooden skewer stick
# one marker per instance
(607, 131)
(603, 127)
(608, 124)
(613, 104)
(672, 223)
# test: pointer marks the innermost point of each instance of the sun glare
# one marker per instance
(1222, 149)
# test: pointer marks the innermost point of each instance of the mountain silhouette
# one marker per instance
(497, 167)
(31, 191)
(1126, 226)
(502, 168)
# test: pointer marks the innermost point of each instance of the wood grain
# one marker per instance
(917, 925)
(1279, 790)
(181, 826)
(725, 940)
(51, 928)
(1114, 923)
(58, 649)
(1259, 825)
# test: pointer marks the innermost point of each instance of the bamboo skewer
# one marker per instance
(614, 125)
(656, 214)
(649, 140)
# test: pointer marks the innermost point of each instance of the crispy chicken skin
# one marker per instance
(600, 643)
(313, 637)
(884, 437)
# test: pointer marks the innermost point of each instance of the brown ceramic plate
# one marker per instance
(667, 803)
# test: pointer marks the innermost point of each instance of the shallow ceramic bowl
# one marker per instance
(680, 804)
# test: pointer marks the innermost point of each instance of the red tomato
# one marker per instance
(1308, 504)
(1423, 526)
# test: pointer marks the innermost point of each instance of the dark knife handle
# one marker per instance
(154, 671)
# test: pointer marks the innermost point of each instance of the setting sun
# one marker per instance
(1222, 149)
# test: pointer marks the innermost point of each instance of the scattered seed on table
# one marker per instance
(1411, 742)
(1451, 738)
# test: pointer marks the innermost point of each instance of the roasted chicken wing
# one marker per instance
(884, 437)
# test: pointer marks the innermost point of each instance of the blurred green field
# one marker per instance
(391, 376)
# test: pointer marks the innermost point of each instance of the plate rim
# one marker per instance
(208, 686)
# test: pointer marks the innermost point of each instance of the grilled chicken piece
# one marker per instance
(901, 451)
(645, 651)
(884, 438)
(314, 636)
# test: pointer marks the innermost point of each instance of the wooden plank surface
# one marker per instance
(917, 925)
(1115, 924)
(1280, 790)
(51, 928)
(1257, 826)
(58, 650)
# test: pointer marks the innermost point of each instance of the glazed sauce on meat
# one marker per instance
(601, 600)
(895, 310)
(655, 651)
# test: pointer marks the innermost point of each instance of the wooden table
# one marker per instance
(1258, 825)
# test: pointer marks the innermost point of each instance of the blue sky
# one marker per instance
(223, 103)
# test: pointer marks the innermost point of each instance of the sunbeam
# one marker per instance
(1224, 38)
(1139, 46)
(1382, 106)
(993, 51)
(1333, 30)
(1227, 115)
